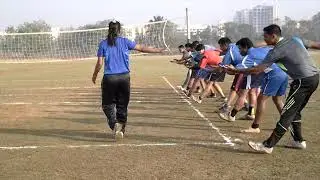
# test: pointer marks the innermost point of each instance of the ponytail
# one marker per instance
(114, 31)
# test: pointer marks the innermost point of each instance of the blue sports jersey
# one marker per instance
(232, 56)
(196, 56)
(254, 57)
(116, 57)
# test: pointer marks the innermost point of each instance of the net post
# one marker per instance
(188, 25)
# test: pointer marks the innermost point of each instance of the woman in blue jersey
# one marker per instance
(114, 52)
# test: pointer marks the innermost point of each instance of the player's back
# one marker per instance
(232, 55)
(254, 57)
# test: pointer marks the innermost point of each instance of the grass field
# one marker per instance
(52, 127)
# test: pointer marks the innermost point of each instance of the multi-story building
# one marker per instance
(194, 29)
(242, 17)
(259, 17)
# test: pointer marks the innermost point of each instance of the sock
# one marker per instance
(251, 111)
(234, 112)
(254, 126)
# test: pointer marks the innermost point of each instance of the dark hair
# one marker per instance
(245, 43)
(114, 31)
(224, 41)
(181, 46)
(188, 45)
(273, 29)
(195, 43)
(200, 47)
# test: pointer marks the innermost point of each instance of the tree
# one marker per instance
(157, 18)
(35, 26)
(209, 35)
(10, 29)
(98, 24)
(154, 33)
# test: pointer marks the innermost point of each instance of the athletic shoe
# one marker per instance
(197, 99)
(259, 147)
(251, 130)
(248, 117)
(224, 108)
(227, 116)
(118, 134)
(299, 145)
(223, 99)
(213, 95)
(185, 91)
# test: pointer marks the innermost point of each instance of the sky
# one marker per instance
(66, 13)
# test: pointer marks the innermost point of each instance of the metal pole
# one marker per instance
(188, 27)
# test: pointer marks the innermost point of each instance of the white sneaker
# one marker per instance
(227, 116)
(259, 147)
(197, 99)
(299, 145)
(251, 130)
(118, 134)
(248, 117)
(232, 119)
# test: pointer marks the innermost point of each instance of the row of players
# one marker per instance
(260, 72)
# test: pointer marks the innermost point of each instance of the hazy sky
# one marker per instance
(63, 13)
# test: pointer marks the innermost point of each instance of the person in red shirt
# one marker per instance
(209, 67)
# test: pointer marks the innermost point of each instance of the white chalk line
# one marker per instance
(37, 94)
(227, 140)
(108, 145)
(66, 87)
(79, 103)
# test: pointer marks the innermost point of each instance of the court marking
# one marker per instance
(70, 87)
(74, 93)
(227, 140)
(79, 103)
(107, 145)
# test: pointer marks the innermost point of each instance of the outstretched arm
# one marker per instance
(254, 70)
(314, 45)
(97, 69)
(146, 49)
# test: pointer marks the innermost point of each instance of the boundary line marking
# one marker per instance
(33, 94)
(78, 103)
(227, 140)
(106, 145)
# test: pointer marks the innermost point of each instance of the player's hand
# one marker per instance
(230, 68)
(161, 50)
(94, 78)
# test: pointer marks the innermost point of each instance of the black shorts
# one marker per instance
(194, 73)
(217, 76)
(237, 80)
(251, 81)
